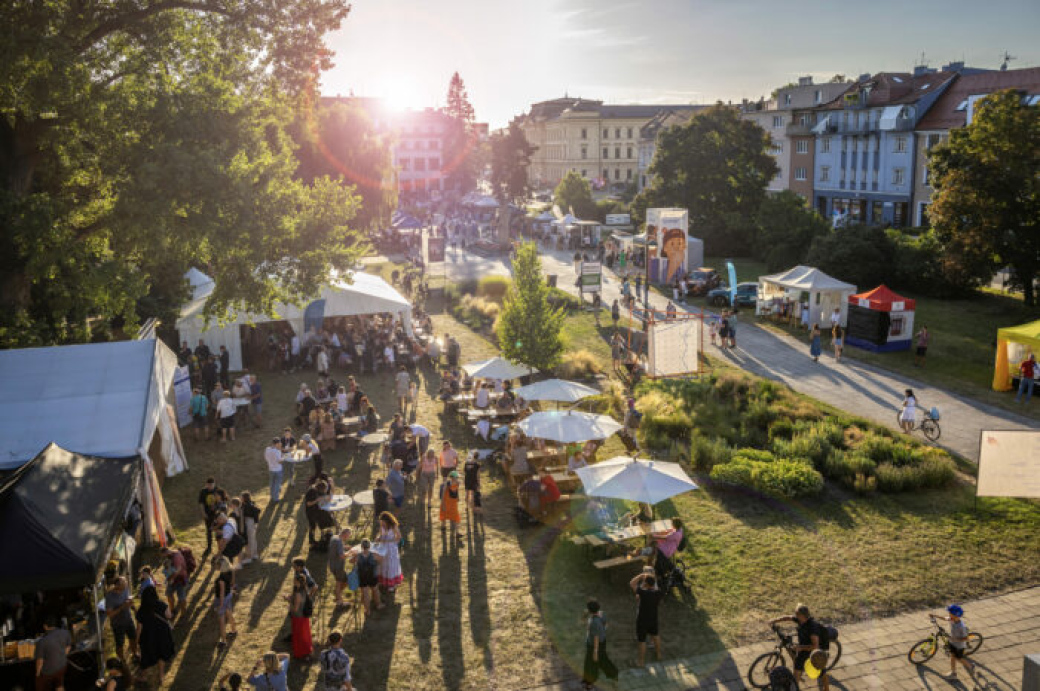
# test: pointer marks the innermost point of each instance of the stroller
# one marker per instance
(671, 574)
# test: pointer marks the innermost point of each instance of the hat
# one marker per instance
(955, 610)
(306, 437)
(454, 475)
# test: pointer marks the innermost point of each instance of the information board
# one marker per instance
(1009, 464)
(591, 279)
(674, 347)
(435, 249)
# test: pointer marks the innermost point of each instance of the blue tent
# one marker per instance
(407, 222)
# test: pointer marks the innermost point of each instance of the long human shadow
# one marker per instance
(477, 579)
(421, 575)
(274, 569)
(449, 613)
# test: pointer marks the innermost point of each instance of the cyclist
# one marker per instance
(958, 640)
(813, 639)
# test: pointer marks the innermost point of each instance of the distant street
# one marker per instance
(849, 385)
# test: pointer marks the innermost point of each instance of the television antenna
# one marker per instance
(1008, 57)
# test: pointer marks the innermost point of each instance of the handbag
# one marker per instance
(353, 580)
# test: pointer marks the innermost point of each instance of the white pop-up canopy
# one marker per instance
(364, 294)
(825, 292)
(497, 368)
(559, 390)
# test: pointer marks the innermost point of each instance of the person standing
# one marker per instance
(958, 640)
(322, 362)
(838, 341)
(226, 414)
(251, 519)
(301, 607)
(908, 413)
(177, 575)
(199, 407)
(449, 459)
(450, 504)
(335, 665)
(256, 400)
(154, 632)
(615, 313)
(402, 386)
(1026, 382)
(814, 343)
(922, 346)
(52, 652)
(648, 597)
(223, 594)
(813, 639)
(225, 367)
(208, 503)
(427, 476)
(271, 673)
(390, 574)
(338, 563)
(596, 658)
(273, 458)
(367, 564)
(395, 484)
(118, 610)
(310, 446)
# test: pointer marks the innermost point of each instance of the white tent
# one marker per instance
(825, 293)
(497, 368)
(110, 400)
(365, 294)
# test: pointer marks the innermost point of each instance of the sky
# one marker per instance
(512, 54)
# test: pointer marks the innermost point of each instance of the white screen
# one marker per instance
(1009, 464)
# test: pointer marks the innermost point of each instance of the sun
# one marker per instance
(399, 93)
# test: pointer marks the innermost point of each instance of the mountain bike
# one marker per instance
(758, 674)
(929, 424)
(923, 651)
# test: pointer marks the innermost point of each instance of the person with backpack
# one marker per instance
(230, 542)
(177, 574)
(813, 639)
(301, 608)
(367, 564)
(335, 665)
(223, 592)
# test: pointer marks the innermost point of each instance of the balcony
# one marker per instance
(797, 129)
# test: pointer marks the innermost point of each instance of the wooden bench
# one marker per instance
(609, 566)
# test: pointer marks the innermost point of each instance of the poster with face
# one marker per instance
(670, 228)
(653, 222)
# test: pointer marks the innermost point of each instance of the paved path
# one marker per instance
(873, 657)
(849, 385)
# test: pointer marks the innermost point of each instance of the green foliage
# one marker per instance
(510, 158)
(986, 205)
(785, 229)
(141, 142)
(493, 288)
(778, 477)
(708, 452)
(857, 254)
(529, 329)
(578, 364)
(717, 166)
(918, 263)
(608, 206)
(462, 144)
(573, 195)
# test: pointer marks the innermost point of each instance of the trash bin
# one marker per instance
(550, 280)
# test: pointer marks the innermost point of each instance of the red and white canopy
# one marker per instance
(883, 300)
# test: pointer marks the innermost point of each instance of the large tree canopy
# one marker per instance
(462, 145)
(986, 206)
(140, 137)
(716, 166)
(574, 195)
(510, 158)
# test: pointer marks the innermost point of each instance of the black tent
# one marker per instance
(60, 515)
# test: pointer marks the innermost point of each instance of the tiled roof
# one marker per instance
(894, 88)
(944, 114)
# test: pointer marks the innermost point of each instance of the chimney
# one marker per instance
(921, 70)
(864, 77)
(805, 81)
(954, 66)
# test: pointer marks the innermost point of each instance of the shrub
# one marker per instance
(760, 414)
(877, 447)
(493, 288)
(810, 445)
(672, 426)
(754, 455)
(706, 453)
(781, 429)
(730, 386)
(578, 364)
(786, 478)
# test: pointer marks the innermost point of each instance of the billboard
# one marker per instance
(435, 249)
(668, 228)
(591, 278)
(1009, 464)
(674, 347)
(619, 219)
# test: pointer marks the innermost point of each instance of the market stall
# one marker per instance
(1014, 343)
(364, 294)
(808, 285)
(880, 320)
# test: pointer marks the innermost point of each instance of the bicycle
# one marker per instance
(923, 651)
(758, 674)
(929, 425)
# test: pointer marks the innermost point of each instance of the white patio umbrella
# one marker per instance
(567, 426)
(497, 368)
(555, 390)
(648, 482)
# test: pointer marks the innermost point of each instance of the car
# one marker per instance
(747, 295)
(701, 281)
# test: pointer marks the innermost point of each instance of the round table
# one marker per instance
(293, 459)
(338, 503)
(373, 441)
(365, 501)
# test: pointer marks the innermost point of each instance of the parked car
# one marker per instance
(702, 280)
(747, 295)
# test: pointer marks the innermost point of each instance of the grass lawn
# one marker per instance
(502, 609)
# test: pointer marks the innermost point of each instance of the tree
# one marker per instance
(574, 195)
(717, 167)
(986, 204)
(837, 79)
(137, 139)
(461, 140)
(510, 158)
(339, 140)
(857, 254)
(785, 229)
(529, 328)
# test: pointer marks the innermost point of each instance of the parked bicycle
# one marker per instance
(929, 424)
(758, 674)
(925, 650)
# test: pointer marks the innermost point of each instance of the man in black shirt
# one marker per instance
(184, 355)
(209, 374)
(649, 596)
(812, 636)
(208, 503)
(202, 351)
(225, 367)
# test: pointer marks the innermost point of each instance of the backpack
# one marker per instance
(781, 679)
(683, 542)
(189, 561)
(308, 606)
(832, 634)
(234, 546)
(366, 567)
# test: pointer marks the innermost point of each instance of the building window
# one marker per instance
(629, 152)
(617, 133)
(787, 99)
(420, 144)
(804, 119)
(875, 176)
(844, 143)
(406, 164)
(584, 173)
(617, 152)
(924, 176)
(825, 173)
(899, 176)
(825, 145)
(934, 140)
(606, 174)
(852, 176)
(606, 133)
(629, 132)
(420, 164)
(433, 164)
(606, 152)
(900, 145)
(778, 121)
(778, 148)
(617, 173)
(584, 133)
(877, 212)
(584, 152)
(628, 174)
(802, 146)
(855, 144)
(800, 174)
(818, 96)
(435, 144)
(842, 175)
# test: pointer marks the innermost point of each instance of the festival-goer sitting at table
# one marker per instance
(666, 543)
(484, 428)
(482, 398)
(520, 465)
(550, 491)
(371, 423)
(529, 496)
(328, 432)
(465, 381)
(504, 404)
(305, 407)
(397, 427)
(576, 461)
(601, 514)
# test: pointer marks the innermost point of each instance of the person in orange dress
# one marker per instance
(450, 503)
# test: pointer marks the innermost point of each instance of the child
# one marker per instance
(958, 640)
(713, 327)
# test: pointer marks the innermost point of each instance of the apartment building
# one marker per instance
(597, 140)
(648, 134)
(955, 109)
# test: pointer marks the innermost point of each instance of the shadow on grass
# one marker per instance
(421, 575)
(479, 607)
(449, 613)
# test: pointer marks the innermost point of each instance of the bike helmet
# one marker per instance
(955, 610)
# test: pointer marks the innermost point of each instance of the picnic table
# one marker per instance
(612, 535)
(292, 459)
(477, 414)
(566, 482)
(373, 440)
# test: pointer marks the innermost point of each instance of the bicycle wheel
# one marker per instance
(973, 643)
(835, 655)
(923, 651)
(930, 428)
(758, 675)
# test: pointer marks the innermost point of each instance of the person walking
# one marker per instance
(154, 633)
(208, 502)
(199, 407)
(119, 613)
(270, 673)
(813, 640)
(648, 598)
(367, 564)
(226, 414)
(177, 576)
(814, 343)
(251, 519)
(449, 459)
(450, 504)
(338, 563)
(596, 658)
(52, 652)
(223, 594)
(335, 665)
(390, 575)
(908, 412)
(273, 458)
(838, 341)
(301, 607)
(958, 640)
(1026, 382)
(615, 313)
(922, 337)
(427, 477)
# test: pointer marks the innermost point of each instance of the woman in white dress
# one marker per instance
(909, 411)
(390, 575)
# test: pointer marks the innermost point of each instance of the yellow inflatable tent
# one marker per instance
(1027, 338)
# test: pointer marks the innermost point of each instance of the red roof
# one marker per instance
(882, 299)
